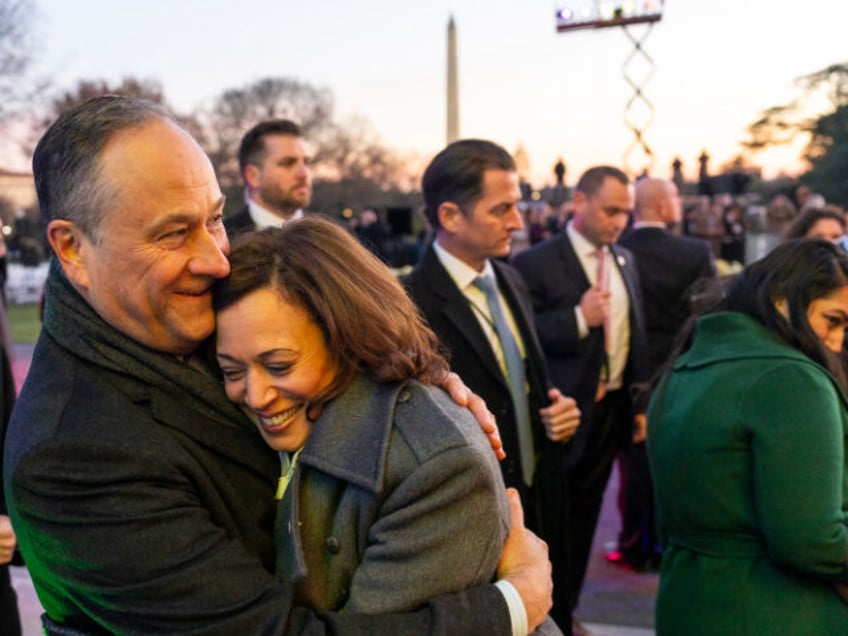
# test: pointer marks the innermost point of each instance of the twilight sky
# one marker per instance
(717, 64)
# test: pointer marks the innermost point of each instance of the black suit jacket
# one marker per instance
(236, 224)
(471, 356)
(556, 281)
(668, 266)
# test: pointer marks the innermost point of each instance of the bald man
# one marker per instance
(668, 266)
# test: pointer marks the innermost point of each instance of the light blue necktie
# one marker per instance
(515, 375)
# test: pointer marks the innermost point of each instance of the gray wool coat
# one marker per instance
(397, 498)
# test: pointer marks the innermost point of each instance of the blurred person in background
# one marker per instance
(274, 165)
(821, 223)
(668, 266)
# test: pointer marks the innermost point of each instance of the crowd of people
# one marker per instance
(250, 424)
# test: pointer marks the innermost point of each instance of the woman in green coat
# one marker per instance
(746, 442)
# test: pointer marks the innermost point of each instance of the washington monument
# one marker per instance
(453, 86)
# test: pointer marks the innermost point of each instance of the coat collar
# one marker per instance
(730, 335)
(456, 309)
(350, 438)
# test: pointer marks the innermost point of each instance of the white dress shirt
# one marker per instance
(262, 218)
(619, 336)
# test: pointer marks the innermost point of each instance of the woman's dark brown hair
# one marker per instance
(368, 322)
(797, 272)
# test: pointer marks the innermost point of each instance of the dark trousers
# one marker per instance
(637, 540)
(10, 621)
(554, 526)
(611, 422)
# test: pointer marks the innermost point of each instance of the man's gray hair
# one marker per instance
(66, 162)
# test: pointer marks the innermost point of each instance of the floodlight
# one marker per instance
(598, 14)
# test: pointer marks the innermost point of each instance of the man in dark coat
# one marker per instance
(668, 266)
(274, 165)
(472, 194)
(143, 499)
(587, 304)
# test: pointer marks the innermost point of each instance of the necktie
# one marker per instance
(515, 375)
(603, 285)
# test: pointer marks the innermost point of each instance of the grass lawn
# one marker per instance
(23, 323)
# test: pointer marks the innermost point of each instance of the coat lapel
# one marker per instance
(457, 311)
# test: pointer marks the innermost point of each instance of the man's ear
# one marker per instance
(579, 199)
(449, 216)
(69, 244)
(251, 175)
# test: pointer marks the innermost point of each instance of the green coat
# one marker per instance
(746, 441)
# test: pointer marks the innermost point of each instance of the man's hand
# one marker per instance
(640, 428)
(561, 418)
(463, 396)
(7, 540)
(595, 306)
(524, 563)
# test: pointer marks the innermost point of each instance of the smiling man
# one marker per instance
(141, 497)
(274, 164)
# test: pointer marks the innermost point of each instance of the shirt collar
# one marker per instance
(581, 244)
(264, 218)
(638, 225)
(461, 273)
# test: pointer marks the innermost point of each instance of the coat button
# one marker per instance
(403, 397)
(333, 546)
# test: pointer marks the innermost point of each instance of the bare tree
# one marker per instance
(86, 89)
(827, 146)
(235, 110)
(352, 167)
(16, 55)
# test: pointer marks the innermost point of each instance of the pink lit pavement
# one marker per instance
(615, 601)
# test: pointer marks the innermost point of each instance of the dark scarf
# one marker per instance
(75, 326)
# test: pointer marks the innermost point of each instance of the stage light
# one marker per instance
(565, 14)
(597, 14)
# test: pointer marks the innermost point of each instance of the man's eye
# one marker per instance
(174, 234)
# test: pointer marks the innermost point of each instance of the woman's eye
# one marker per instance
(230, 375)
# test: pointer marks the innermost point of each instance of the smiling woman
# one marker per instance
(394, 485)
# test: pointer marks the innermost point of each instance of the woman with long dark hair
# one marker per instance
(747, 445)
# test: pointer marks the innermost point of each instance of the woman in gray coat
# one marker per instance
(389, 494)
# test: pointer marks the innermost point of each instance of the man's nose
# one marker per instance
(210, 257)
